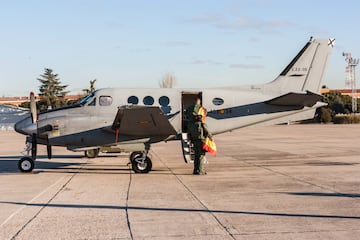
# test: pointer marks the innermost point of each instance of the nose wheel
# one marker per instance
(26, 164)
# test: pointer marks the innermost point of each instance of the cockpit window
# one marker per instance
(93, 102)
(86, 99)
(105, 100)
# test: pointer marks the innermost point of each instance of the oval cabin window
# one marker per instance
(164, 101)
(133, 100)
(218, 101)
(148, 100)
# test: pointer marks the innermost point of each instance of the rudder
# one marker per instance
(306, 71)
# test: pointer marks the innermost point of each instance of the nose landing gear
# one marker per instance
(26, 164)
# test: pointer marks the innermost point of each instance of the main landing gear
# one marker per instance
(140, 162)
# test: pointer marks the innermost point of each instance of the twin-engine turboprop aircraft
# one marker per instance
(133, 119)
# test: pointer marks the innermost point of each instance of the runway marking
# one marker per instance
(226, 228)
(32, 200)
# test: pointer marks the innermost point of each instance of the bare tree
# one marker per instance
(92, 87)
(168, 81)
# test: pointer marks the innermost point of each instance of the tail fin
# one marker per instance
(306, 71)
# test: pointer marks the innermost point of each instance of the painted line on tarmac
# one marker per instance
(45, 205)
(32, 200)
(226, 228)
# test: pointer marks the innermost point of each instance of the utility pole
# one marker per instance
(350, 78)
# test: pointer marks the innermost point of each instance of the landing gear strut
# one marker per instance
(27, 163)
(140, 162)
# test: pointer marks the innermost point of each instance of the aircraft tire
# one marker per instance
(26, 164)
(92, 153)
(139, 167)
(133, 155)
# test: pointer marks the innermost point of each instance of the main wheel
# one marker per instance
(141, 167)
(133, 155)
(92, 153)
(26, 164)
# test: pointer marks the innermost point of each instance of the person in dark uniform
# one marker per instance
(197, 132)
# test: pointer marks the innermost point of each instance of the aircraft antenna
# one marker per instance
(350, 80)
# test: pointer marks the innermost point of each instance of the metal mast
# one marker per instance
(350, 78)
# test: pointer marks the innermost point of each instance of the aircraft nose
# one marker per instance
(25, 126)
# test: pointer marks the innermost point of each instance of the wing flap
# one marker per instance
(307, 99)
(142, 121)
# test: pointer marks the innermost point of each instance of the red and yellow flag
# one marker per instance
(209, 146)
(202, 113)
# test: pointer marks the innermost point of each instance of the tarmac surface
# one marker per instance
(279, 182)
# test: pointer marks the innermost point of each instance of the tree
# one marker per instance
(168, 81)
(323, 115)
(51, 91)
(337, 102)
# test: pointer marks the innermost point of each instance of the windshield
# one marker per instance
(86, 99)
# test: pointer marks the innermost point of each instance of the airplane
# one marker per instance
(133, 119)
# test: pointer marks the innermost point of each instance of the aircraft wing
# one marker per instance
(142, 121)
(307, 99)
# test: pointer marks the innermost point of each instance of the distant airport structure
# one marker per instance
(16, 101)
(348, 92)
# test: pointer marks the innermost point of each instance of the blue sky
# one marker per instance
(134, 43)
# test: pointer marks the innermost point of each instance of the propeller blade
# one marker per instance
(49, 151)
(33, 147)
(33, 107)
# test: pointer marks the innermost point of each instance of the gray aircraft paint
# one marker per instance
(90, 125)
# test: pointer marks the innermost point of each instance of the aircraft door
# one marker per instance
(187, 99)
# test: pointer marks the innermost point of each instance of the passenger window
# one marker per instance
(218, 101)
(148, 100)
(133, 100)
(93, 102)
(105, 100)
(164, 101)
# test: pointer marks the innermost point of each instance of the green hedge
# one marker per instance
(346, 119)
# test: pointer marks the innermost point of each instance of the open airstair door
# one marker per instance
(187, 148)
(187, 99)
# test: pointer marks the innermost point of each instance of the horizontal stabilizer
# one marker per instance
(307, 99)
(142, 121)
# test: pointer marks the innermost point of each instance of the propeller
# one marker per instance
(33, 109)
(34, 117)
(38, 131)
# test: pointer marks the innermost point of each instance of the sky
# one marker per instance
(203, 43)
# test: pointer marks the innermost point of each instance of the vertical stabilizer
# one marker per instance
(306, 71)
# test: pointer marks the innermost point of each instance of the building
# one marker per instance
(18, 100)
(342, 91)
